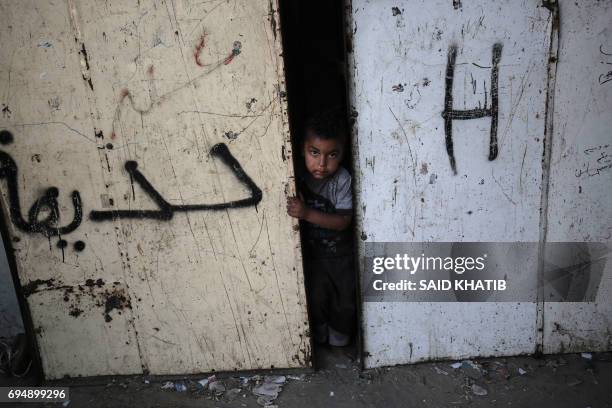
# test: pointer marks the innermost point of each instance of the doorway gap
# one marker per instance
(315, 59)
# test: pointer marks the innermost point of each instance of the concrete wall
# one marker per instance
(162, 125)
(423, 180)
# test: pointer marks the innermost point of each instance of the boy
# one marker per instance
(325, 206)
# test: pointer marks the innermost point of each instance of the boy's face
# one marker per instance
(322, 156)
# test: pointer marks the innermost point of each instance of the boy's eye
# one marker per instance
(333, 155)
(314, 152)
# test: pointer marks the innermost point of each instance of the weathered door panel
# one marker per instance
(581, 171)
(189, 261)
(412, 61)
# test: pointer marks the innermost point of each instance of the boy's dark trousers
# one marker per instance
(331, 292)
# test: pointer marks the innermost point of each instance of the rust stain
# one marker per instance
(115, 300)
(32, 286)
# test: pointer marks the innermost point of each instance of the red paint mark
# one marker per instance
(235, 51)
(124, 92)
(229, 58)
(198, 50)
(113, 135)
(150, 70)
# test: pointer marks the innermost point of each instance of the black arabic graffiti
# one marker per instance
(48, 226)
(599, 160)
(167, 210)
(607, 77)
(449, 114)
(47, 204)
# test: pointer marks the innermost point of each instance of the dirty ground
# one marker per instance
(570, 380)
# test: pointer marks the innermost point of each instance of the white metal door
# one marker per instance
(145, 162)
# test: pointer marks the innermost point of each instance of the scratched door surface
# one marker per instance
(579, 208)
(450, 100)
(144, 164)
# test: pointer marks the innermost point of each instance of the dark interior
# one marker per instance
(315, 68)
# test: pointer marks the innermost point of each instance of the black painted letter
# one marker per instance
(449, 114)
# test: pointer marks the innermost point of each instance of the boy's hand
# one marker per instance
(296, 207)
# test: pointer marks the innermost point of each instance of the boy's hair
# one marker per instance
(327, 125)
